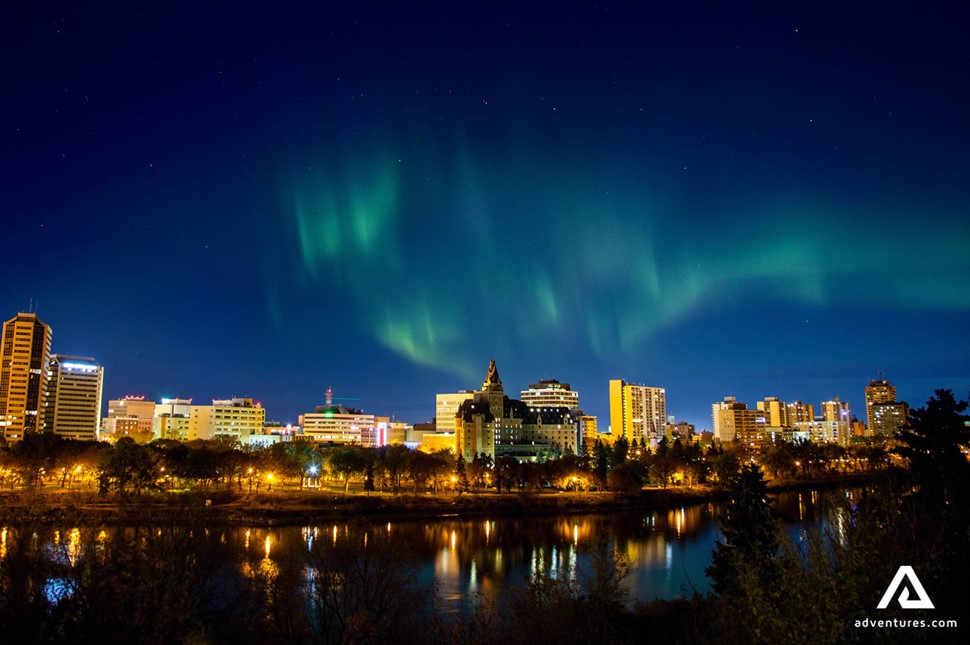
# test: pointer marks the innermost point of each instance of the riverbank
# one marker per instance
(313, 506)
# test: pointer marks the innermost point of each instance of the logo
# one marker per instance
(907, 572)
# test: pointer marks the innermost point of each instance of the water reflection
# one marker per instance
(668, 550)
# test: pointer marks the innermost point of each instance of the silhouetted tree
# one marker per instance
(749, 530)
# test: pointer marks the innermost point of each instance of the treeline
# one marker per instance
(127, 467)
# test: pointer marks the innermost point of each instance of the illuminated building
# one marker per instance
(733, 421)
(26, 343)
(550, 393)
(588, 432)
(73, 407)
(236, 418)
(446, 408)
(799, 412)
(131, 416)
(492, 424)
(818, 431)
(171, 419)
(637, 411)
(338, 425)
(776, 412)
(681, 430)
(887, 419)
(884, 415)
(838, 411)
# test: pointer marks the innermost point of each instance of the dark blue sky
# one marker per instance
(260, 201)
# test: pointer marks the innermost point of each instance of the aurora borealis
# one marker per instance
(254, 201)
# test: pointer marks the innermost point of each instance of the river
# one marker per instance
(468, 559)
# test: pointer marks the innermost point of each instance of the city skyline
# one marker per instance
(466, 392)
(720, 201)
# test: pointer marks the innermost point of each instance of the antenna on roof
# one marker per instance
(30, 306)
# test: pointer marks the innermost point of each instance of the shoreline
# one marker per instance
(294, 508)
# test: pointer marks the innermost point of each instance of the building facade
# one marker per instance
(236, 418)
(131, 416)
(73, 406)
(25, 351)
(550, 393)
(839, 412)
(339, 425)
(733, 421)
(171, 419)
(884, 415)
(446, 409)
(494, 425)
(638, 411)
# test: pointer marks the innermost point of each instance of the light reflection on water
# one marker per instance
(668, 550)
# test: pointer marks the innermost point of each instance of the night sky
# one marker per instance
(249, 200)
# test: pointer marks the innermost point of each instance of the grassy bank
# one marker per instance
(316, 506)
(296, 507)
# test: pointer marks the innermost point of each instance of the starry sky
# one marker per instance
(246, 199)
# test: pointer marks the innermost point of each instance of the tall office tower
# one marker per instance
(776, 412)
(73, 407)
(550, 393)
(638, 411)
(446, 409)
(838, 411)
(26, 351)
(733, 421)
(877, 392)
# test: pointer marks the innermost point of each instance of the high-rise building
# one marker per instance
(879, 392)
(839, 412)
(888, 419)
(550, 393)
(73, 406)
(776, 411)
(26, 351)
(799, 412)
(638, 411)
(733, 421)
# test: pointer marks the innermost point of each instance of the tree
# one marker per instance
(621, 448)
(750, 534)
(725, 467)
(127, 467)
(663, 468)
(626, 478)
(346, 461)
(934, 442)
(461, 477)
(601, 467)
(369, 476)
(36, 452)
